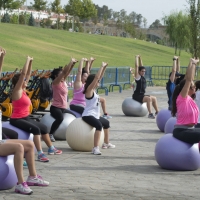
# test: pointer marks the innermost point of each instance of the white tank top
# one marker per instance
(92, 107)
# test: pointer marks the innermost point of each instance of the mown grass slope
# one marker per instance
(53, 48)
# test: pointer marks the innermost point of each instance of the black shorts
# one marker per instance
(138, 97)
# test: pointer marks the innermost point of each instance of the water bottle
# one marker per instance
(0, 125)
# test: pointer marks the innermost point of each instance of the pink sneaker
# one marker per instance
(36, 181)
(23, 189)
(54, 151)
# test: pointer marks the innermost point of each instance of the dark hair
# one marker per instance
(84, 71)
(88, 82)
(176, 92)
(178, 80)
(141, 68)
(197, 84)
(55, 73)
(15, 79)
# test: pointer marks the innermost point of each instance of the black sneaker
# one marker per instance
(151, 116)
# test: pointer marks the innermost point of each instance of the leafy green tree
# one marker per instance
(57, 8)
(31, 21)
(14, 19)
(194, 13)
(39, 5)
(155, 24)
(11, 4)
(6, 18)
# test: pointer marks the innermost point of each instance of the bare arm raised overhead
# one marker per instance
(78, 83)
(174, 69)
(21, 82)
(137, 66)
(65, 72)
(96, 80)
(189, 76)
(2, 55)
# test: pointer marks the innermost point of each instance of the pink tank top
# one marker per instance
(21, 107)
(187, 110)
(60, 93)
(78, 97)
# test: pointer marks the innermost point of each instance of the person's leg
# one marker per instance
(92, 121)
(147, 99)
(106, 125)
(28, 127)
(17, 150)
(154, 103)
(77, 109)
(103, 106)
(57, 114)
(45, 136)
(11, 134)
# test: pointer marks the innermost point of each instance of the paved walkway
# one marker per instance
(127, 172)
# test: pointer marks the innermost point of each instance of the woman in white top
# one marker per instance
(91, 114)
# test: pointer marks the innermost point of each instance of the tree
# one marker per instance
(57, 8)
(83, 9)
(195, 27)
(177, 23)
(155, 24)
(31, 21)
(144, 22)
(6, 18)
(139, 19)
(39, 5)
(11, 4)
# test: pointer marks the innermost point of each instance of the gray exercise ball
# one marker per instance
(131, 107)
(60, 133)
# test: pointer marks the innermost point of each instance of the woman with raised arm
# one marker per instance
(19, 148)
(185, 109)
(171, 84)
(78, 102)
(60, 92)
(139, 93)
(20, 116)
(91, 113)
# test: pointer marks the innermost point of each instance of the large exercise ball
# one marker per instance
(169, 126)
(22, 135)
(60, 133)
(130, 107)
(8, 178)
(173, 154)
(80, 136)
(162, 117)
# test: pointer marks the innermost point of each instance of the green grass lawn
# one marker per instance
(53, 48)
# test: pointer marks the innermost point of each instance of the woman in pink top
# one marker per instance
(20, 116)
(184, 107)
(60, 91)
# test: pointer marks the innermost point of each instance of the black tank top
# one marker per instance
(141, 86)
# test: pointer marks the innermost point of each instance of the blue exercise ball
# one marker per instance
(169, 126)
(162, 117)
(173, 154)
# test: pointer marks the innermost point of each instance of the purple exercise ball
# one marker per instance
(8, 178)
(162, 117)
(169, 126)
(173, 154)
(76, 113)
(22, 135)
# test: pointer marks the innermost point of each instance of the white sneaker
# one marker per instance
(96, 151)
(23, 189)
(108, 146)
(36, 181)
(107, 116)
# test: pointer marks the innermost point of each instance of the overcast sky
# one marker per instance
(150, 9)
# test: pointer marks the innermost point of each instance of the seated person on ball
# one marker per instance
(21, 111)
(20, 148)
(78, 102)
(91, 112)
(197, 101)
(139, 93)
(60, 92)
(171, 84)
(185, 109)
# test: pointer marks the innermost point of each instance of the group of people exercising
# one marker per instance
(87, 102)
